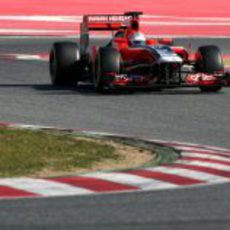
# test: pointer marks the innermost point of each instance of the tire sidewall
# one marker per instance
(209, 59)
(64, 57)
(107, 60)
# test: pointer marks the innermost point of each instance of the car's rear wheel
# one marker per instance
(107, 64)
(210, 89)
(210, 61)
(64, 58)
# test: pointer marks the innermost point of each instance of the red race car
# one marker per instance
(130, 60)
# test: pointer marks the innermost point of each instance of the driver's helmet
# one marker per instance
(137, 39)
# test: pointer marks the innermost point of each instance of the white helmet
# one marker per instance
(137, 39)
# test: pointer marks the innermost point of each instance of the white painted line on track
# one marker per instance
(42, 18)
(206, 155)
(28, 57)
(217, 148)
(31, 127)
(174, 144)
(210, 178)
(43, 187)
(205, 164)
(35, 31)
(187, 145)
(133, 180)
(191, 149)
(25, 57)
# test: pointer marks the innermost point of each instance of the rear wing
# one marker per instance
(103, 23)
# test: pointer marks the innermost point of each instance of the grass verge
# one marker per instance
(47, 153)
(26, 152)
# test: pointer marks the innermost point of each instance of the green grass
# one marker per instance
(25, 152)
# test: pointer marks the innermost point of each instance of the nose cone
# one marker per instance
(174, 58)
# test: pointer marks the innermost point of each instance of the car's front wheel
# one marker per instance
(107, 62)
(210, 61)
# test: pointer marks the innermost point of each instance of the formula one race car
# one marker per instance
(130, 60)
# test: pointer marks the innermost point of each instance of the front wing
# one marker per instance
(113, 80)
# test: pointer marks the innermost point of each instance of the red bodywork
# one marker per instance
(125, 25)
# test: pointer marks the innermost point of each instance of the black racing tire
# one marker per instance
(64, 58)
(210, 89)
(209, 61)
(108, 60)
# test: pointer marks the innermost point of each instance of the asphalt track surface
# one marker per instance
(179, 114)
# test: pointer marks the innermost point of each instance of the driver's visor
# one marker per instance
(139, 43)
